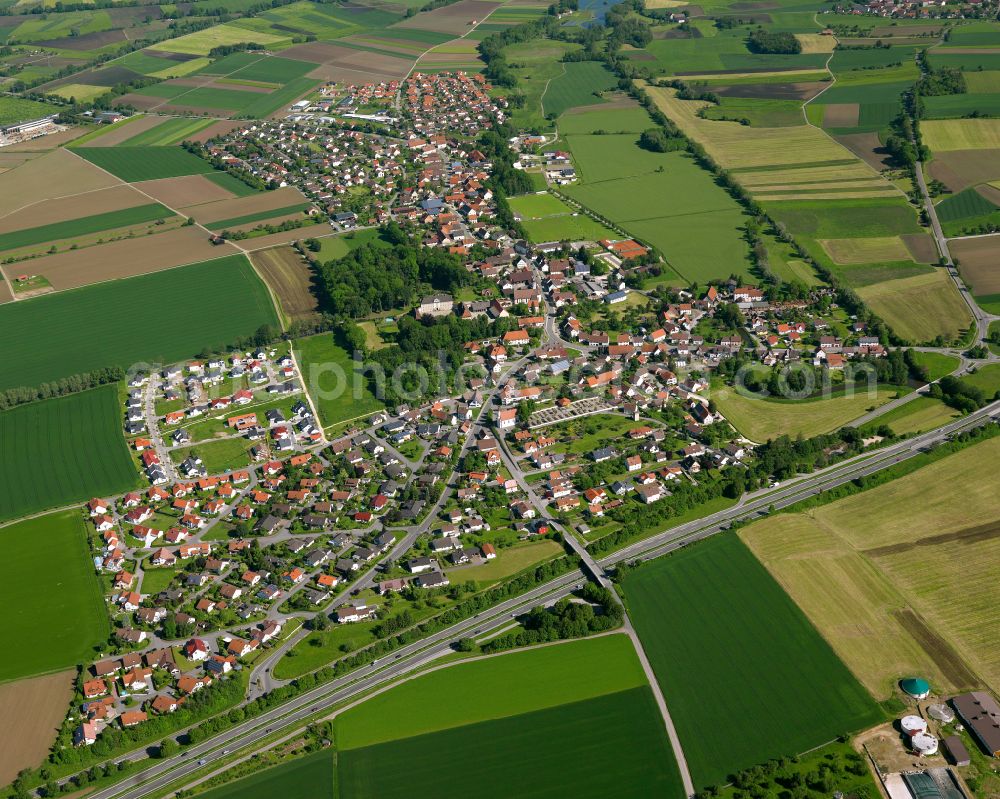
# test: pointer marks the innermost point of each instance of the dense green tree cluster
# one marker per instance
(773, 42)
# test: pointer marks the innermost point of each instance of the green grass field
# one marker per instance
(134, 164)
(545, 677)
(218, 456)
(310, 776)
(584, 703)
(16, 109)
(173, 131)
(61, 616)
(745, 675)
(576, 86)
(84, 226)
(664, 199)
(62, 450)
(938, 364)
(764, 419)
(161, 317)
(330, 379)
(613, 745)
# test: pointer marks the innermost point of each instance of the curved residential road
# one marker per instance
(756, 505)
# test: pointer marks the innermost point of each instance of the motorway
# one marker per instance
(293, 713)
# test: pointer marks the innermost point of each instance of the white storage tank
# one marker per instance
(912, 725)
(924, 744)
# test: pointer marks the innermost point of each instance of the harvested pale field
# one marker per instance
(289, 277)
(10, 160)
(736, 146)
(840, 115)
(959, 169)
(666, 3)
(56, 174)
(922, 247)
(919, 308)
(954, 587)
(979, 263)
(404, 48)
(220, 128)
(847, 598)
(65, 208)
(6, 295)
(866, 251)
(807, 175)
(816, 43)
(943, 135)
(187, 192)
(457, 18)
(124, 132)
(336, 62)
(947, 497)
(866, 194)
(127, 258)
(219, 210)
(35, 708)
(868, 148)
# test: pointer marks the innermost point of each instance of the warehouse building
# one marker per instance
(981, 714)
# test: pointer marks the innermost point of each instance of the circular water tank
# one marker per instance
(941, 713)
(924, 744)
(912, 725)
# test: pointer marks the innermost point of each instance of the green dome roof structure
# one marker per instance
(917, 687)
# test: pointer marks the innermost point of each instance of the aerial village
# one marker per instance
(592, 407)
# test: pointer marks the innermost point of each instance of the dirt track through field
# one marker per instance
(33, 710)
(101, 201)
(939, 650)
(55, 174)
(970, 535)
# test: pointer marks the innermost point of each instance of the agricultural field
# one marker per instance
(664, 199)
(55, 174)
(170, 130)
(290, 278)
(547, 218)
(135, 164)
(978, 264)
(919, 308)
(35, 707)
(917, 416)
(218, 456)
(787, 691)
(66, 619)
(97, 223)
(122, 258)
(764, 419)
(211, 304)
(329, 375)
(16, 109)
(62, 450)
(944, 135)
(585, 702)
(892, 601)
(576, 86)
(963, 213)
(308, 776)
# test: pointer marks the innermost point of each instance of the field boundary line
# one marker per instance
(854, 156)
(464, 35)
